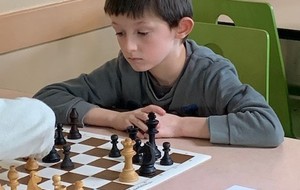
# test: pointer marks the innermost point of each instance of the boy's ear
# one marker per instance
(185, 26)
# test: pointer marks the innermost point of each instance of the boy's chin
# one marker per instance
(139, 69)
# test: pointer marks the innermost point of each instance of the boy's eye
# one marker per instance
(119, 33)
(143, 33)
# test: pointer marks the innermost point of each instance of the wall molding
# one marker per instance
(26, 28)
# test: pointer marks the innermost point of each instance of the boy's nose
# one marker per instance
(130, 45)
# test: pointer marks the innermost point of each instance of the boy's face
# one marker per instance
(145, 42)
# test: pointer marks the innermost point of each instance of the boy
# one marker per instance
(27, 128)
(194, 92)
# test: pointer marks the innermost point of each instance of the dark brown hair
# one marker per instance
(171, 11)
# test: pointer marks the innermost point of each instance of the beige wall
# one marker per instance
(31, 68)
(17, 5)
(47, 41)
(32, 26)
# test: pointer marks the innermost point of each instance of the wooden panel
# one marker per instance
(51, 22)
(6, 93)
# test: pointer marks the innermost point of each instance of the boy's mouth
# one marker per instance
(134, 59)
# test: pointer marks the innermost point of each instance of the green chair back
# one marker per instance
(248, 50)
(257, 15)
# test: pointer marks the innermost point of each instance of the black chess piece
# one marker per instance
(67, 162)
(166, 160)
(138, 157)
(52, 157)
(132, 131)
(147, 167)
(114, 152)
(151, 123)
(59, 136)
(74, 132)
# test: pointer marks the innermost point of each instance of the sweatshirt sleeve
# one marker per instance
(249, 120)
(98, 88)
(26, 128)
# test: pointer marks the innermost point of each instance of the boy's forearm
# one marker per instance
(196, 127)
(100, 117)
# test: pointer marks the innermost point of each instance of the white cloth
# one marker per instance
(27, 128)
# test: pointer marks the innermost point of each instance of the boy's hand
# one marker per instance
(137, 117)
(171, 125)
(168, 126)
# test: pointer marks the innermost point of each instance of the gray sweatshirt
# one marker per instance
(207, 87)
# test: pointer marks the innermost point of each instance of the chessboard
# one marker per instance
(96, 169)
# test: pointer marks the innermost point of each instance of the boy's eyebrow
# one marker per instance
(139, 22)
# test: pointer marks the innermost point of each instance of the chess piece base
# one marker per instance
(74, 136)
(147, 170)
(128, 176)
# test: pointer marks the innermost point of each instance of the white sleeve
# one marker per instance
(27, 128)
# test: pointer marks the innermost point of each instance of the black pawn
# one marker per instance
(166, 160)
(151, 123)
(114, 152)
(132, 131)
(74, 132)
(59, 136)
(52, 157)
(138, 157)
(67, 162)
(147, 168)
